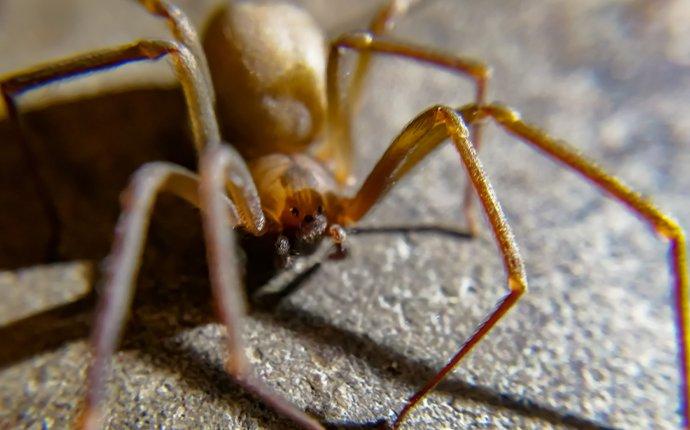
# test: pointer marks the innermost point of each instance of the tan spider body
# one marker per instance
(279, 104)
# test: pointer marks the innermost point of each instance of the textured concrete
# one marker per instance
(591, 345)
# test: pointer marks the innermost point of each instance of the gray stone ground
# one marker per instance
(591, 345)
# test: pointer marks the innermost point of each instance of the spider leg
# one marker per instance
(130, 234)
(662, 223)
(121, 270)
(184, 32)
(338, 147)
(197, 95)
(383, 22)
(425, 133)
(368, 43)
(218, 166)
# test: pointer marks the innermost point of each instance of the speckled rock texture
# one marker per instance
(590, 346)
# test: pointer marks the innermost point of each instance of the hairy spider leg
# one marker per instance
(424, 134)
(199, 106)
(368, 43)
(121, 268)
(218, 165)
(221, 168)
(420, 138)
(662, 223)
(183, 31)
(480, 73)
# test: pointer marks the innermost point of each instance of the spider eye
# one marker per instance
(319, 210)
(294, 211)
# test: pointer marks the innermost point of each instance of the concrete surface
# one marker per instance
(591, 345)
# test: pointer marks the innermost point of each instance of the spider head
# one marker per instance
(304, 219)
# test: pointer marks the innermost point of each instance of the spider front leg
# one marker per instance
(184, 32)
(662, 223)
(121, 268)
(218, 166)
(221, 169)
(197, 95)
(368, 43)
(424, 134)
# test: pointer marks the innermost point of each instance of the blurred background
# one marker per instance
(591, 346)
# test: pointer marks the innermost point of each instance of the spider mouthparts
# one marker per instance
(312, 228)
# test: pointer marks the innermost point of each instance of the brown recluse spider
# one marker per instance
(278, 100)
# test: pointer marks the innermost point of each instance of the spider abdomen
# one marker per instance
(267, 62)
